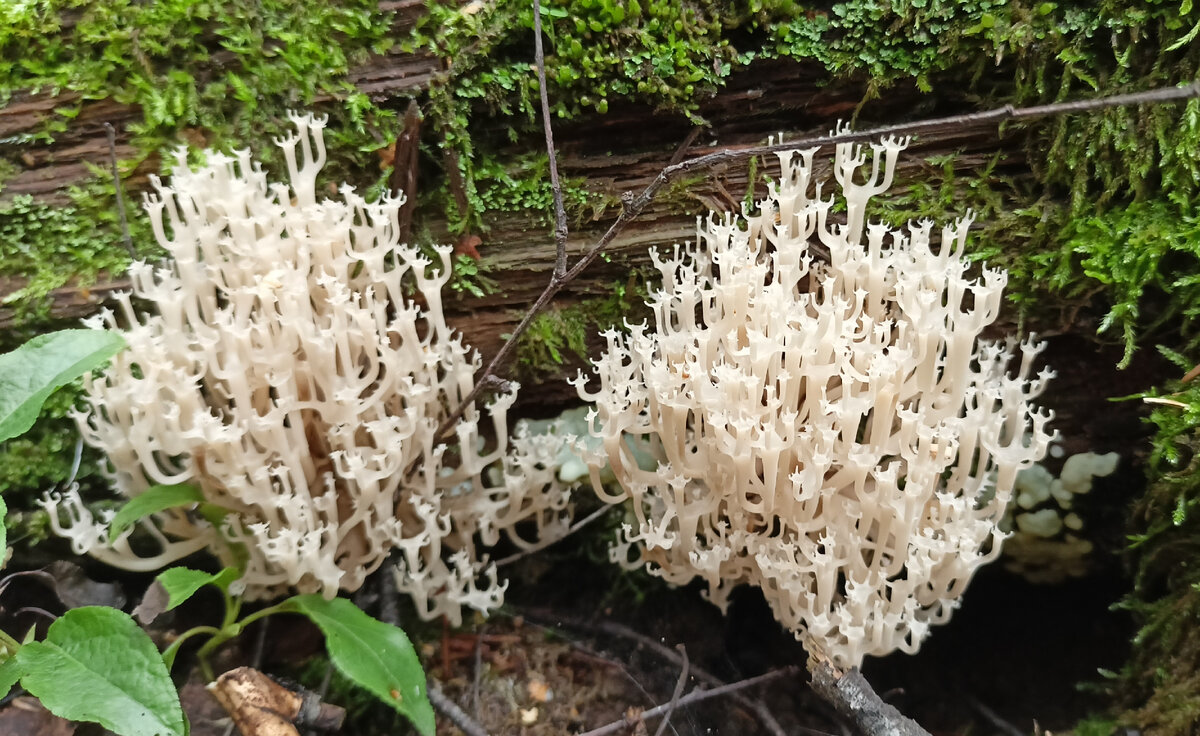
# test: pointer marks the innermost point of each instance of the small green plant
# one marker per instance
(131, 691)
(471, 277)
(374, 655)
(103, 652)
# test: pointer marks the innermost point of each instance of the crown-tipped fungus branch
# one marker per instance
(834, 433)
(297, 364)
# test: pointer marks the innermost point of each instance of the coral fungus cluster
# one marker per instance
(295, 370)
(827, 424)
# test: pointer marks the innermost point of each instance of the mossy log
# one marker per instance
(619, 152)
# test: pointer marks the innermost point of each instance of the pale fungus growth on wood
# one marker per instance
(833, 431)
(295, 369)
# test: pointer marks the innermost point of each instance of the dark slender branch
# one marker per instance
(44, 577)
(696, 696)
(587, 652)
(679, 685)
(683, 147)
(450, 709)
(501, 355)
(560, 214)
(994, 718)
(1008, 112)
(405, 168)
(933, 125)
(112, 162)
(633, 206)
(36, 610)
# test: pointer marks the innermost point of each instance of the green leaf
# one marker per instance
(97, 665)
(182, 583)
(30, 373)
(151, 501)
(216, 515)
(10, 672)
(3, 532)
(375, 655)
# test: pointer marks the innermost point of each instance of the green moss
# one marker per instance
(552, 333)
(1160, 686)
(522, 185)
(559, 335)
(886, 42)
(48, 246)
(1147, 257)
(202, 72)
(1067, 236)
(1095, 726)
(671, 55)
(42, 457)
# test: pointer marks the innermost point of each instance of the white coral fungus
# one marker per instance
(828, 426)
(295, 372)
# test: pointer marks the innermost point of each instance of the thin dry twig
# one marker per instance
(450, 709)
(548, 542)
(587, 652)
(560, 214)
(679, 685)
(260, 645)
(477, 676)
(619, 630)
(995, 719)
(633, 206)
(111, 133)
(697, 696)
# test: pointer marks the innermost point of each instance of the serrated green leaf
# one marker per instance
(10, 672)
(29, 374)
(181, 583)
(97, 665)
(377, 656)
(151, 501)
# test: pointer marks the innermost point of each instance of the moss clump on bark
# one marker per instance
(1159, 689)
